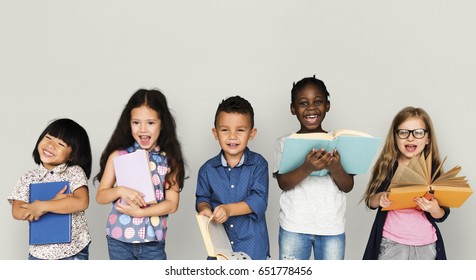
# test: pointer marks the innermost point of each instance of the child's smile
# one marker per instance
(411, 146)
(145, 127)
(310, 108)
(233, 130)
(53, 151)
(312, 119)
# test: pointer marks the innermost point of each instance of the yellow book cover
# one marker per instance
(416, 179)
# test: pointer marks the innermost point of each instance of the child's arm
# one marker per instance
(18, 211)
(167, 206)
(379, 199)
(344, 181)
(107, 193)
(431, 206)
(60, 204)
(203, 208)
(223, 212)
(318, 160)
(256, 202)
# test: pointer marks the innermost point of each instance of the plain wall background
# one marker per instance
(84, 59)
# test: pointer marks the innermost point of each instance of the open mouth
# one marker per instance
(144, 140)
(410, 148)
(312, 118)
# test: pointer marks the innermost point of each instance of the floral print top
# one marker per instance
(80, 236)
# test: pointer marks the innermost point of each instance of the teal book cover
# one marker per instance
(357, 150)
(51, 227)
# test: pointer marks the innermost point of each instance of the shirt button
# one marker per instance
(232, 242)
(231, 226)
(232, 186)
(229, 169)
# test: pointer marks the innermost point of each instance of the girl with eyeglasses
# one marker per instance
(405, 234)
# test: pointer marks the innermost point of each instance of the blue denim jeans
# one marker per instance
(81, 256)
(298, 246)
(119, 250)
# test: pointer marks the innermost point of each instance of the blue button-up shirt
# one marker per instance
(219, 184)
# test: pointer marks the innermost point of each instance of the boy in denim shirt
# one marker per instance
(232, 187)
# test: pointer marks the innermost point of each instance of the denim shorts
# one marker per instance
(119, 250)
(298, 246)
(81, 256)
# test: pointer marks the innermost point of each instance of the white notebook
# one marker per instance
(132, 171)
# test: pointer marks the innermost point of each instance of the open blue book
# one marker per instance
(357, 150)
(51, 227)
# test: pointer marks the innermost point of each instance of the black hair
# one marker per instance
(74, 136)
(297, 87)
(168, 141)
(235, 104)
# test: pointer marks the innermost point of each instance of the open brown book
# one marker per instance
(416, 179)
(216, 240)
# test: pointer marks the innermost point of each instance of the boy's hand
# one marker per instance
(220, 214)
(206, 212)
(318, 159)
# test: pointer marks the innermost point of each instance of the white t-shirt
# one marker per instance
(314, 206)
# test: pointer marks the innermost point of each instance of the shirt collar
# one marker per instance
(155, 150)
(221, 161)
(57, 170)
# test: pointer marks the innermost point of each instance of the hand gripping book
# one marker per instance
(132, 171)
(356, 149)
(51, 227)
(216, 240)
(416, 180)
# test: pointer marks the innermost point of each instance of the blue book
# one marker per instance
(357, 150)
(51, 227)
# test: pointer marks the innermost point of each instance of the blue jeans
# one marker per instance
(119, 250)
(298, 246)
(81, 256)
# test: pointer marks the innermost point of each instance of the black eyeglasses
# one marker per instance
(405, 133)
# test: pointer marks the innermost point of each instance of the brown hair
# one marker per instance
(383, 167)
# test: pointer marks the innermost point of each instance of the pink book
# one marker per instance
(132, 170)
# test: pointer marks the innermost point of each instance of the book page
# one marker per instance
(202, 225)
(316, 135)
(219, 238)
(214, 236)
(350, 132)
(415, 179)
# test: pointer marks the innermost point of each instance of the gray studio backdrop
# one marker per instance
(83, 60)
